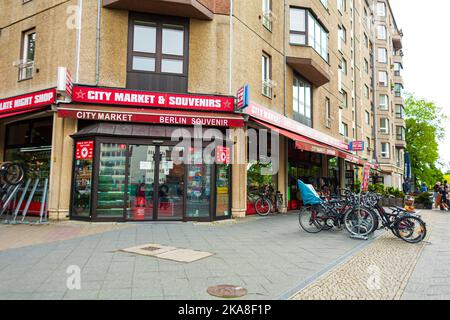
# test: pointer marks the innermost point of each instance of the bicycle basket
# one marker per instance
(309, 195)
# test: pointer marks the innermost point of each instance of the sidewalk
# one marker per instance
(267, 256)
(431, 277)
(379, 272)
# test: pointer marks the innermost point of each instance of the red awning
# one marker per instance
(12, 114)
(307, 144)
(169, 117)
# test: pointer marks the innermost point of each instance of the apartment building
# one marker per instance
(389, 87)
(132, 73)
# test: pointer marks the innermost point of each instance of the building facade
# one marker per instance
(100, 130)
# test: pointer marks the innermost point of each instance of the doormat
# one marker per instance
(168, 253)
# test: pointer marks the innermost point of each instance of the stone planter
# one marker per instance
(399, 202)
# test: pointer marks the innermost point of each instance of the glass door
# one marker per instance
(171, 195)
(141, 182)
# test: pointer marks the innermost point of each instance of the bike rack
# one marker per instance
(12, 193)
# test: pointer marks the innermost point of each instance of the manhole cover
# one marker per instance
(227, 291)
(151, 248)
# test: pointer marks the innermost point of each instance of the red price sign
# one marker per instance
(84, 150)
(223, 155)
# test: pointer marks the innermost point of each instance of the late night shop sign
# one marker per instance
(152, 99)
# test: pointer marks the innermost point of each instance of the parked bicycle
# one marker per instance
(11, 173)
(268, 201)
(403, 224)
(320, 214)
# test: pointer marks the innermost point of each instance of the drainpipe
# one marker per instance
(97, 61)
(78, 46)
(230, 75)
(374, 89)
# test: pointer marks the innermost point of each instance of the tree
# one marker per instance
(424, 130)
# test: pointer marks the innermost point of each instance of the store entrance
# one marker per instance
(155, 188)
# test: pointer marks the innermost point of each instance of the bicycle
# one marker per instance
(327, 214)
(405, 225)
(268, 201)
(11, 173)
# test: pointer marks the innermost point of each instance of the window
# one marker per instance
(399, 156)
(367, 117)
(383, 78)
(266, 64)
(381, 32)
(381, 9)
(384, 126)
(344, 66)
(341, 5)
(384, 102)
(366, 41)
(26, 66)
(398, 90)
(382, 55)
(398, 69)
(327, 113)
(344, 129)
(368, 147)
(267, 14)
(401, 133)
(159, 47)
(385, 150)
(325, 3)
(366, 66)
(316, 37)
(366, 91)
(342, 37)
(344, 98)
(302, 104)
(399, 111)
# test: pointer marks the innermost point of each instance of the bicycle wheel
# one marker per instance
(360, 222)
(411, 229)
(14, 173)
(311, 219)
(263, 207)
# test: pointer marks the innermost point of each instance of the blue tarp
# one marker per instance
(309, 195)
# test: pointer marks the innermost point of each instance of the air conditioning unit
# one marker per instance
(267, 88)
(267, 19)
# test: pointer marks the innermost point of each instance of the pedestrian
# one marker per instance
(436, 194)
(444, 192)
(423, 188)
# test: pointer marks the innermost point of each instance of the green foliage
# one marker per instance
(424, 198)
(390, 191)
(424, 128)
(357, 187)
(377, 188)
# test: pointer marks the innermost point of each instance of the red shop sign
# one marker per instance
(84, 150)
(172, 119)
(27, 101)
(152, 99)
(223, 155)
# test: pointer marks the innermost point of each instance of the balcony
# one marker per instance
(181, 8)
(309, 64)
(397, 42)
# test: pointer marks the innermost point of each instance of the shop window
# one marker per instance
(198, 189)
(223, 191)
(18, 134)
(158, 53)
(111, 180)
(82, 188)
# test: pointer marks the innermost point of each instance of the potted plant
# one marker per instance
(424, 201)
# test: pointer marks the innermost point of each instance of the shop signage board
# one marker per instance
(84, 150)
(27, 102)
(356, 146)
(123, 97)
(243, 97)
(274, 118)
(223, 155)
(173, 119)
(366, 177)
